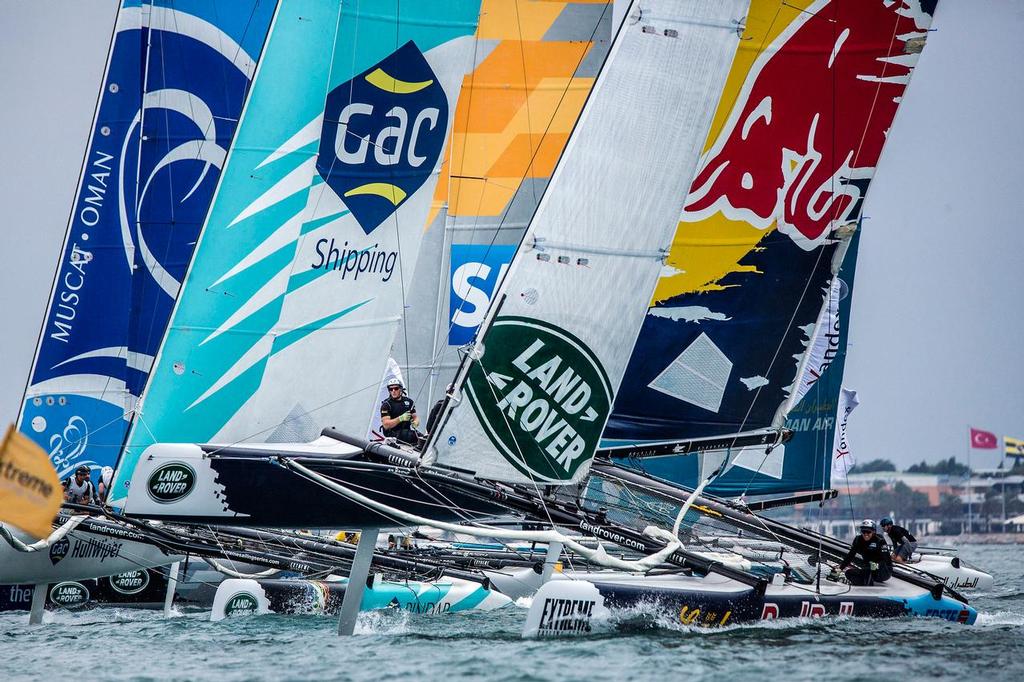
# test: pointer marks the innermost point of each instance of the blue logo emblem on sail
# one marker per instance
(382, 135)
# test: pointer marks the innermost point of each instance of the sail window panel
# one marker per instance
(698, 376)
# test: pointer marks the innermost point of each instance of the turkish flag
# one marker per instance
(983, 440)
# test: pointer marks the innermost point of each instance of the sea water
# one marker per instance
(127, 644)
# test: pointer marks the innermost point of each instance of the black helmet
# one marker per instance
(885, 522)
(82, 469)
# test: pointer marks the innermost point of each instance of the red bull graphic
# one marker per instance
(771, 217)
(811, 118)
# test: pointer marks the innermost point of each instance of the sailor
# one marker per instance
(78, 488)
(435, 411)
(903, 543)
(874, 550)
(106, 478)
(398, 414)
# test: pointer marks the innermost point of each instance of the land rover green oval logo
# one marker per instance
(171, 482)
(242, 604)
(542, 397)
(69, 594)
(131, 582)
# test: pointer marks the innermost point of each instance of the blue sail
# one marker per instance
(804, 463)
(177, 75)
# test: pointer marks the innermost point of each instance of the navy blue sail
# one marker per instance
(177, 76)
(804, 463)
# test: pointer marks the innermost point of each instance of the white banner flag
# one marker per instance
(842, 458)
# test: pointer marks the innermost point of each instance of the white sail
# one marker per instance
(541, 380)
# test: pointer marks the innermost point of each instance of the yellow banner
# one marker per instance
(1014, 446)
(30, 492)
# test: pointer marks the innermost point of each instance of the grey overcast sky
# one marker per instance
(937, 329)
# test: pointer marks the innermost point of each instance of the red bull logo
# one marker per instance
(802, 139)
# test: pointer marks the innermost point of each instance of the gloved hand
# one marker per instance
(404, 417)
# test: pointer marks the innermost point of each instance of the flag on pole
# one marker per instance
(1014, 446)
(30, 492)
(983, 440)
(842, 458)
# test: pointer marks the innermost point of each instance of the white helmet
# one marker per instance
(867, 524)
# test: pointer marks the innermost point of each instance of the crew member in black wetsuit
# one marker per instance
(79, 488)
(398, 415)
(903, 543)
(435, 411)
(873, 549)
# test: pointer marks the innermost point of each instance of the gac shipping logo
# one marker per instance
(542, 397)
(383, 133)
(171, 482)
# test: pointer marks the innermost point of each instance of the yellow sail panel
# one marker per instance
(30, 492)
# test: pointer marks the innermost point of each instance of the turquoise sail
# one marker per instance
(297, 285)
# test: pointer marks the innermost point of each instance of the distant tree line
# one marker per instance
(946, 467)
(873, 465)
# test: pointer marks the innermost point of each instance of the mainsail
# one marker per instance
(802, 464)
(176, 77)
(289, 307)
(798, 132)
(539, 382)
(536, 63)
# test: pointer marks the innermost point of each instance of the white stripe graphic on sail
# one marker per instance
(296, 181)
(309, 134)
(167, 19)
(109, 352)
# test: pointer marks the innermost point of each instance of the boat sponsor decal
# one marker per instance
(846, 608)
(130, 582)
(171, 482)
(383, 132)
(348, 261)
(476, 270)
(541, 395)
(69, 594)
(809, 610)
(953, 615)
(93, 548)
(59, 550)
(242, 604)
(559, 616)
(693, 616)
(960, 584)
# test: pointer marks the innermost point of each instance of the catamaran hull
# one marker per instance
(570, 607)
(95, 549)
(250, 487)
(954, 573)
(237, 597)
